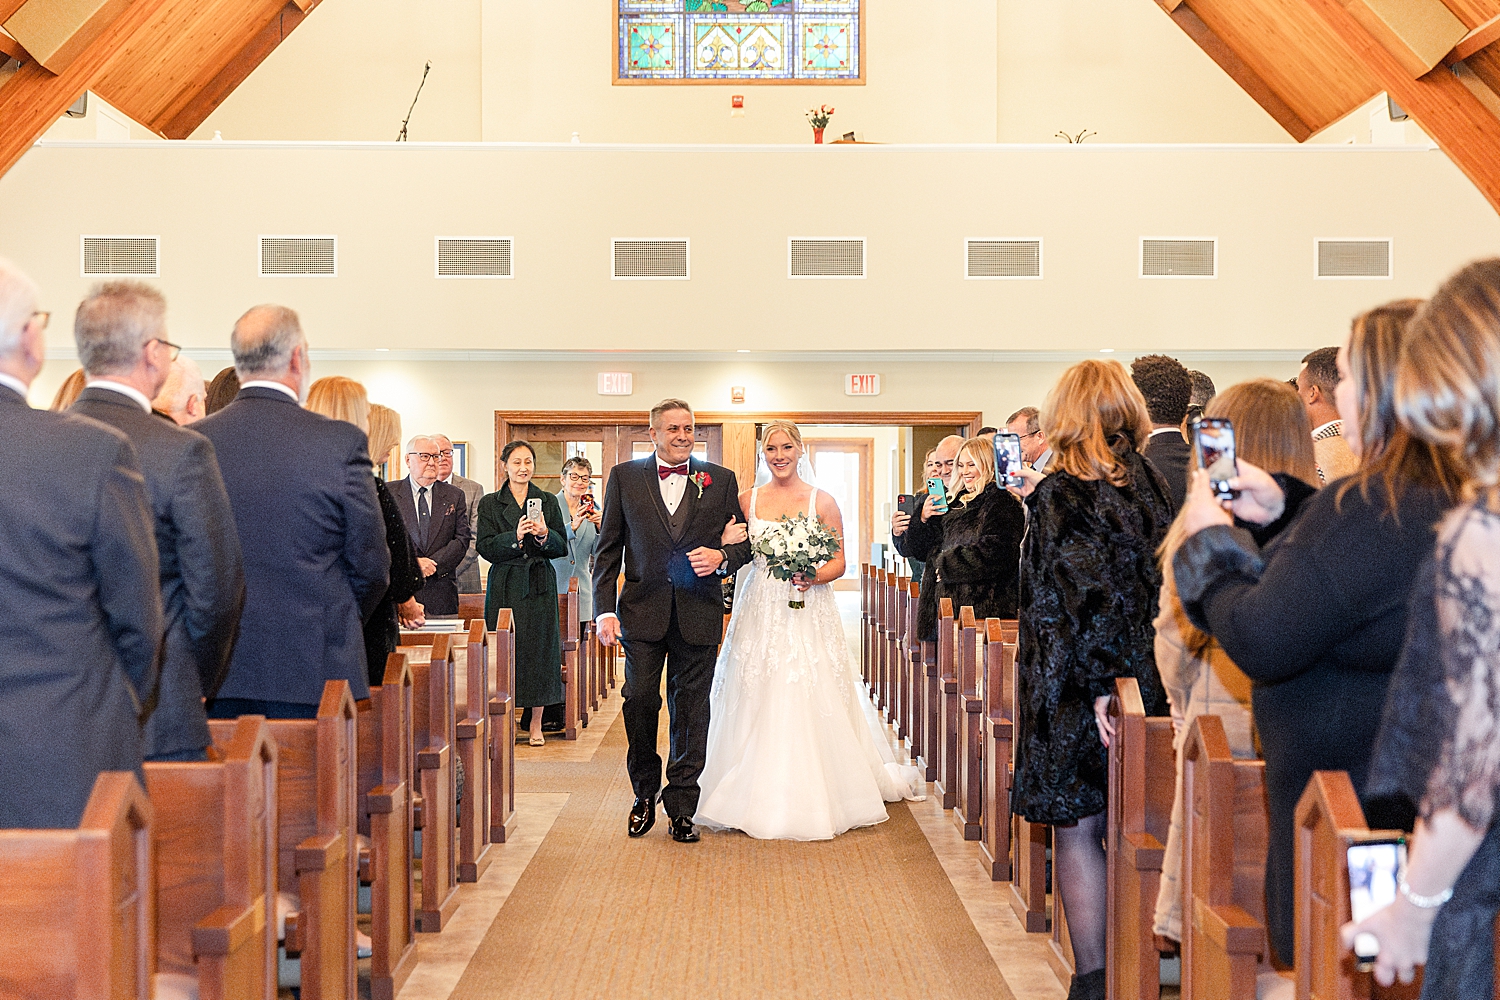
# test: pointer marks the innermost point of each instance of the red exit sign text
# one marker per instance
(861, 385)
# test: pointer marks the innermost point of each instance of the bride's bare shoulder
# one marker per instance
(828, 508)
(745, 497)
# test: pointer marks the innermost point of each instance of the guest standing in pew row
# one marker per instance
(183, 396)
(80, 590)
(917, 566)
(467, 573)
(1270, 431)
(520, 549)
(1035, 451)
(1089, 587)
(339, 398)
(1316, 384)
(1168, 390)
(943, 458)
(1203, 391)
(121, 334)
(437, 522)
(1311, 602)
(305, 508)
(581, 515)
(1439, 737)
(974, 549)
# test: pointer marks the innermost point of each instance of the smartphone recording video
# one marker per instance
(1008, 459)
(907, 504)
(1213, 451)
(939, 493)
(1374, 875)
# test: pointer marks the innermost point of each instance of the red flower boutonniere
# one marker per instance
(700, 480)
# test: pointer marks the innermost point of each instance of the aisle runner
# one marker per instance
(869, 914)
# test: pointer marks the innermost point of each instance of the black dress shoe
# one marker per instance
(642, 817)
(683, 831)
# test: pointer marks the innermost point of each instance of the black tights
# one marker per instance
(1079, 879)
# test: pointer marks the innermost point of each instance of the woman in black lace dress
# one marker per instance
(1089, 587)
(1439, 741)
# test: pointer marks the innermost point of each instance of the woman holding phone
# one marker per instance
(521, 530)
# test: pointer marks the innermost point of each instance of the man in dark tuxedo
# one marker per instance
(1168, 389)
(78, 590)
(663, 518)
(121, 331)
(303, 495)
(437, 522)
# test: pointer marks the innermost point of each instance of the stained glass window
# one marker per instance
(742, 40)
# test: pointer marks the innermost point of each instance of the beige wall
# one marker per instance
(938, 71)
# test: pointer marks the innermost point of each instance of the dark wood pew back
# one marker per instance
(969, 761)
(385, 784)
(503, 728)
(472, 729)
(998, 728)
(435, 755)
(567, 621)
(76, 905)
(945, 785)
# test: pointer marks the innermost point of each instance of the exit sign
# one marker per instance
(861, 385)
(616, 383)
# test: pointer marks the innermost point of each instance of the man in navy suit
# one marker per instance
(303, 494)
(437, 521)
(121, 331)
(78, 589)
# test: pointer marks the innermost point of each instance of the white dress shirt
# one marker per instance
(124, 390)
(11, 382)
(261, 383)
(673, 487)
(1332, 429)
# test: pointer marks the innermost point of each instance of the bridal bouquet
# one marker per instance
(796, 545)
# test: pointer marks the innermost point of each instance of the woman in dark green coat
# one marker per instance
(520, 551)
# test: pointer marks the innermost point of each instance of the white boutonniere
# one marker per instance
(700, 480)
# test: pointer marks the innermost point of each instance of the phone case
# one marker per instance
(939, 492)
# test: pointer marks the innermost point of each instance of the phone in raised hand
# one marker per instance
(1374, 877)
(938, 490)
(1213, 451)
(534, 510)
(1008, 459)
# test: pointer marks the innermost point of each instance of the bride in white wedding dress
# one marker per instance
(790, 753)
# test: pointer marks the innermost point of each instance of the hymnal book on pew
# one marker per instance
(439, 625)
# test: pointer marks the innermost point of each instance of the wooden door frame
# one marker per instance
(865, 449)
(505, 419)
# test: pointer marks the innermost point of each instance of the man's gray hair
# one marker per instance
(411, 446)
(18, 296)
(114, 322)
(184, 379)
(1032, 415)
(664, 406)
(263, 341)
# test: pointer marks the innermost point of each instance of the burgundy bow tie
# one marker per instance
(671, 470)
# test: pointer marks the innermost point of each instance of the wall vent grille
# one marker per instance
(1002, 258)
(299, 256)
(659, 260)
(1179, 258)
(1352, 259)
(838, 258)
(133, 255)
(473, 258)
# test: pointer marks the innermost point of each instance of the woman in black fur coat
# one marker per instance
(975, 550)
(1089, 587)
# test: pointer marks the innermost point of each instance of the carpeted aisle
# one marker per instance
(869, 914)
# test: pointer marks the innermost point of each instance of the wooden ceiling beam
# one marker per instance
(1481, 37)
(1447, 110)
(1239, 70)
(12, 49)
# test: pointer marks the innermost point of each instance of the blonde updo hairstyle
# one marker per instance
(1093, 417)
(982, 451)
(784, 426)
(340, 398)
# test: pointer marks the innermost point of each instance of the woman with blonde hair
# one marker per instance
(340, 398)
(1271, 430)
(1312, 603)
(1089, 584)
(975, 548)
(1439, 739)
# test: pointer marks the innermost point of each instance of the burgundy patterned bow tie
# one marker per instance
(671, 470)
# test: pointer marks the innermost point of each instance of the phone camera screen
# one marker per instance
(1008, 459)
(1374, 876)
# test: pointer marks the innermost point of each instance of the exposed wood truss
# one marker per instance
(1310, 62)
(166, 63)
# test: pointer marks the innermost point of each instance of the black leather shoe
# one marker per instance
(642, 817)
(683, 831)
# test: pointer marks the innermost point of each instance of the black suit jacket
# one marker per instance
(81, 611)
(316, 561)
(1170, 453)
(202, 581)
(635, 531)
(447, 543)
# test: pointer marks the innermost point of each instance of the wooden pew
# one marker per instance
(1142, 781)
(913, 674)
(435, 754)
(932, 707)
(385, 797)
(215, 859)
(969, 775)
(946, 783)
(1328, 820)
(472, 731)
(503, 729)
(998, 721)
(1223, 866)
(864, 622)
(317, 853)
(896, 655)
(567, 620)
(76, 905)
(877, 639)
(1028, 877)
(1059, 954)
(471, 606)
(587, 664)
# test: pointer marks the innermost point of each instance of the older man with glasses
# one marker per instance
(437, 521)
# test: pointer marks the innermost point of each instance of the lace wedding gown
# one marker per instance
(791, 755)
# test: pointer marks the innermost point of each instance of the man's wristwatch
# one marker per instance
(723, 569)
